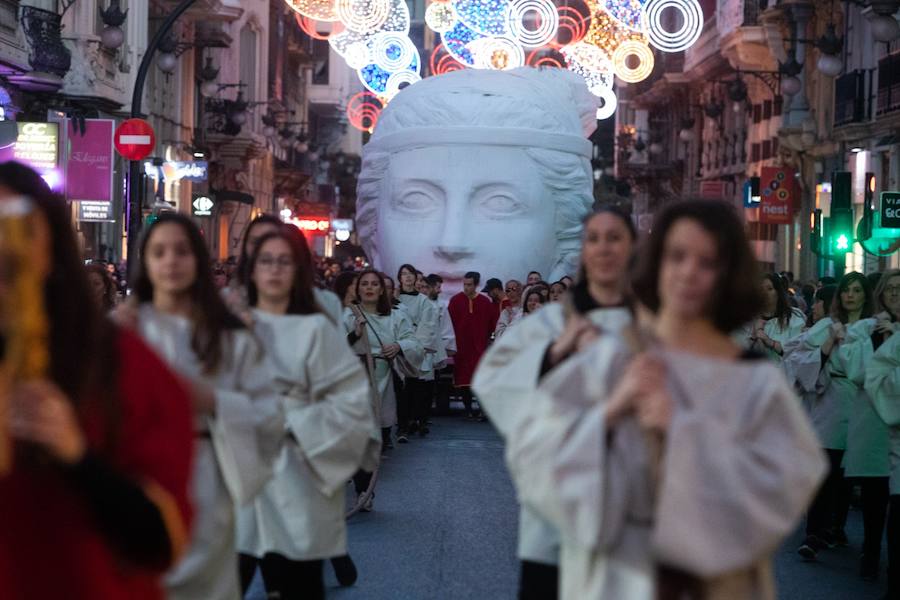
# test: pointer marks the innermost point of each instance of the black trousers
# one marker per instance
(467, 398)
(824, 512)
(292, 579)
(421, 393)
(874, 499)
(893, 545)
(404, 407)
(538, 581)
(361, 481)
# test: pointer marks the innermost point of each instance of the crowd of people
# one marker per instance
(670, 414)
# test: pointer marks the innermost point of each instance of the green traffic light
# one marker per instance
(843, 243)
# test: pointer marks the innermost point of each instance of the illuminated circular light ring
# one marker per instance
(440, 16)
(308, 26)
(392, 51)
(644, 55)
(591, 63)
(397, 79)
(626, 12)
(443, 62)
(548, 19)
(545, 60)
(610, 102)
(498, 53)
(572, 21)
(672, 41)
(320, 10)
(357, 55)
(363, 15)
(363, 110)
(398, 21)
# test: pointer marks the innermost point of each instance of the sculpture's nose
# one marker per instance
(453, 245)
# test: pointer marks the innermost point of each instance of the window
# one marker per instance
(757, 113)
(766, 149)
(767, 110)
(248, 61)
(754, 153)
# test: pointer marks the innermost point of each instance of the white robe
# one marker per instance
(795, 326)
(330, 304)
(868, 440)
(828, 408)
(448, 336)
(741, 464)
(230, 466)
(505, 381)
(328, 411)
(391, 329)
(883, 387)
(423, 315)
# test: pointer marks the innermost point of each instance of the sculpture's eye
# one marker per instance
(500, 205)
(415, 202)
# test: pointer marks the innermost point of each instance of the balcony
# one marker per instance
(888, 84)
(851, 102)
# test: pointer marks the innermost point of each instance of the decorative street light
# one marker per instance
(208, 76)
(113, 18)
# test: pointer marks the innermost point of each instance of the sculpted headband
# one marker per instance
(422, 137)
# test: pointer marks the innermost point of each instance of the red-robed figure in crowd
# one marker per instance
(474, 318)
(96, 433)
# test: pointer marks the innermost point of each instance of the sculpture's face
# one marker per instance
(452, 209)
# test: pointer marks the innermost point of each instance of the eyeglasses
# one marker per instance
(269, 262)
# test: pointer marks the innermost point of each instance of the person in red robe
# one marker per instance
(97, 432)
(474, 318)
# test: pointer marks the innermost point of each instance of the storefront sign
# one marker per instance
(312, 224)
(175, 170)
(95, 211)
(89, 169)
(890, 210)
(712, 190)
(777, 195)
(202, 206)
(37, 145)
(342, 224)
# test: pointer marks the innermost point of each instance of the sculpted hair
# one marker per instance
(738, 297)
(838, 312)
(879, 290)
(302, 299)
(211, 320)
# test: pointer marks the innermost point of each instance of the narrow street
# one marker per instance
(444, 528)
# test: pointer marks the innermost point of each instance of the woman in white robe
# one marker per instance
(389, 334)
(778, 323)
(418, 392)
(868, 441)
(883, 386)
(514, 365)
(512, 313)
(675, 465)
(809, 369)
(182, 316)
(298, 518)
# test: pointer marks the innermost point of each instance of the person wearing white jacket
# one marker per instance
(778, 322)
(883, 387)
(514, 365)
(298, 520)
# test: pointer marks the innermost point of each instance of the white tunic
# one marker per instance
(741, 463)
(505, 381)
(330, 304)
(868, 441)
(778, 333)
(827, 407)
(329, 417)
(391, 329)
(883, 387)
(231, 465)
(423, 315)
(508, 316)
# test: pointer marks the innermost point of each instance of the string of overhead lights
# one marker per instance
(601, 40)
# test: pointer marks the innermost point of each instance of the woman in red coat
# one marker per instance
(93, 504)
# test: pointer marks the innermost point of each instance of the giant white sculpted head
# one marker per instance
(480, 170)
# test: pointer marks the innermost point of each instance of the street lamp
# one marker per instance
(113, 17)
(167, 61)
(208, 76)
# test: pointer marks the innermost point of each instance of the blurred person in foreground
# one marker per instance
(672, 462)
(94, 505)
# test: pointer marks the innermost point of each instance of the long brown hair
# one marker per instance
(210, 318)
(383, 307)
(109, 286)
(302, 300)
(84, 362)
(838, 312)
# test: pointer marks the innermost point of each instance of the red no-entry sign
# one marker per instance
(134, 139)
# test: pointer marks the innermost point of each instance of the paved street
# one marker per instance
(444, 528)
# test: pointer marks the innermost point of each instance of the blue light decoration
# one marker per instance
(626, 12)
(456, 43)
(375, 78)
(489, 17)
